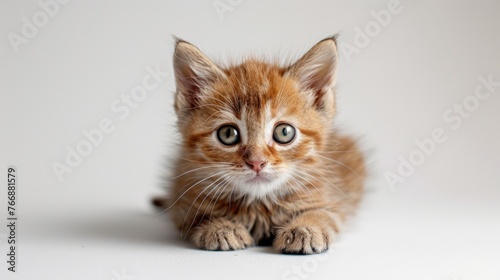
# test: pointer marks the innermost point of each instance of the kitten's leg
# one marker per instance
(310, 233)
(221, 234)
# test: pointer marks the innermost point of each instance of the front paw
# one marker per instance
(221, 235)
(303, 239)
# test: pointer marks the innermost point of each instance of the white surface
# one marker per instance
(442, 223)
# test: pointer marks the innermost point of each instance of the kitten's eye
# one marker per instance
(228, 135)
(284, 133)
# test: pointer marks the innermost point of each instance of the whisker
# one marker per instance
(336, 152)
(303, 188)
(192, 186)
(203, 162)
(223, 188)
(341, 163)
(196, 169)
(292, 188)
(333, 184)
(311, 184)
(201, 204)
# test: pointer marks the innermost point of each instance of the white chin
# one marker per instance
(260, 187)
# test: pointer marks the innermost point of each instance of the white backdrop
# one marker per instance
(411, 72)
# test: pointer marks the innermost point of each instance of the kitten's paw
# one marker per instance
(221, 235)
(303, 240)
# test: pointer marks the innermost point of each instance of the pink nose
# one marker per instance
(256, 165)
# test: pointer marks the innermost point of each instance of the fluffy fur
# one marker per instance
(305, 189)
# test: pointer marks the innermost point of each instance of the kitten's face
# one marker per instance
(258, 125)
(252, 126)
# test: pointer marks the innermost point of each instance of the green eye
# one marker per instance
(228, 135)
(284, 133)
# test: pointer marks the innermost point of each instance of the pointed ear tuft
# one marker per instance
(194, 73)
(316, 72)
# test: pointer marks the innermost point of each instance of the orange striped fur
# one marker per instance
(220, 199)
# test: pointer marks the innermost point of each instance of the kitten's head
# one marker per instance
(256, 126)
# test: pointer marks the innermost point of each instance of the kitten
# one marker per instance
(259, 158)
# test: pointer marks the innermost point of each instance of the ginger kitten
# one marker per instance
(260, 159)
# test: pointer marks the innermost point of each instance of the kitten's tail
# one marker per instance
(160, 201)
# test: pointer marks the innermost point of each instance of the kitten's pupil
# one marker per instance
(228, 132)
(285, 131)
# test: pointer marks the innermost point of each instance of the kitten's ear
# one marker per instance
(194, 73)
(316, 72)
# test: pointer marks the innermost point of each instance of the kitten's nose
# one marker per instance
(256, 165)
